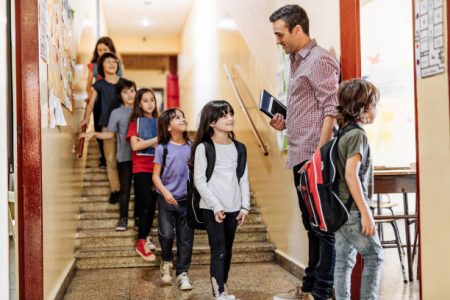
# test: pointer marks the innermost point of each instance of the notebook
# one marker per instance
(146, 129)
(269, 105)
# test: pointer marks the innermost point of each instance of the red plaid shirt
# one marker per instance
(312, 95)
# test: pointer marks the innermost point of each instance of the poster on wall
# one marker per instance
(60, 61)
(43, 40)
(429, 37)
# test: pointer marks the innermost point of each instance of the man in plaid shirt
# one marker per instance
(311, 110)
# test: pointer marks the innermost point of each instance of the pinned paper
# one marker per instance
(56, 112)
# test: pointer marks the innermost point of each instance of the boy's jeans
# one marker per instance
(172, 217)
(349, 240)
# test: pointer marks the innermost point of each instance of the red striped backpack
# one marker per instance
(319, 186)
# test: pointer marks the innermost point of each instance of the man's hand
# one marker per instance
(219, 216)
(277, 122)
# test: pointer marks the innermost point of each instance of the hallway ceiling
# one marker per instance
(145, 18)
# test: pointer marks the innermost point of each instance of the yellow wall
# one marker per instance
(434, 159)
(204, 50)
(61, 173)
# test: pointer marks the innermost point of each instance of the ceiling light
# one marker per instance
(147, 2)
(145, 23)
(227, 24)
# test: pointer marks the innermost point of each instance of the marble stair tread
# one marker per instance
(111, 214)
(197, 249)
(103, 198)
(101, 232)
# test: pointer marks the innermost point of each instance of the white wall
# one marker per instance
(205, 48)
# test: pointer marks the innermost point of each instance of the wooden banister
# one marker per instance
(244, 109)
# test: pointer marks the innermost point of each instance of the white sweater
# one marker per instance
(223, 191)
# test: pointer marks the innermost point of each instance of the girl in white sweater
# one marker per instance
(225, 197)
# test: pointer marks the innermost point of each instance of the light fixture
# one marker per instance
(227, 24)
(147, 2)
(145, 23)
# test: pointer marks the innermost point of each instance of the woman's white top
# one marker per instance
(223, 191)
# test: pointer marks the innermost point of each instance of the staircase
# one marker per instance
(100, 246)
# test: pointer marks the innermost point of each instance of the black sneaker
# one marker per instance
(102, 163)
(122, 225)
(114, 198)
(136, 223)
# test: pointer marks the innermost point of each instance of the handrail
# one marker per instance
(244, 109)
(80, 144)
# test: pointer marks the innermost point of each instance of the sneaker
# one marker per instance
(102, 163)
(295, 293)
(122, 224)
(114, 198)
(165, 271)
(143, 251)
(136, 223)
(150, 245)
(225, 296)
(183, 282)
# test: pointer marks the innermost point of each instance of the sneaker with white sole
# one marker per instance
(183, 282)
(143, 251)
(150, 244)
(165, 271)
(122, 224)
(225, 296)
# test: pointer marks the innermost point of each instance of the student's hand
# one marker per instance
(277, 122)
(170, 199)
(82, 123)
(368, 225)
(241, 218)
(86, 135)
(219, 216)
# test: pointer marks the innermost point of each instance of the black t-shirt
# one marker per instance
(107, 99)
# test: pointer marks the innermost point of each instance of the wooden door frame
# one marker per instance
(29, 156)
(351, 68)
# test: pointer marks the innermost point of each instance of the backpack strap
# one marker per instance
(165, 152)
(242, 159)
(347, 128)
(210, 153)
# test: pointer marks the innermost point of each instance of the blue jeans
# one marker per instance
(349, 240)
(174, 218)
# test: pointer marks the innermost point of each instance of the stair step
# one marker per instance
(117, 257)
(96, 238)
(91, 220)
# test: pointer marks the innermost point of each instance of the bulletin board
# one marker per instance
(55, 35)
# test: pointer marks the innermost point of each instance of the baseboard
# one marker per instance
(67, 280)
(289, 264)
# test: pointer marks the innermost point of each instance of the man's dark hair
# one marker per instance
(293, 15)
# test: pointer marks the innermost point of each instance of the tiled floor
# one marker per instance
(247, 281)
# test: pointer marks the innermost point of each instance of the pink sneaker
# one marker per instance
(143, 251)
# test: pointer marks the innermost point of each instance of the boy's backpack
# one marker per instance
(194, 216)
(319, 186)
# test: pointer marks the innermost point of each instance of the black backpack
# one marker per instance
(319, 186)
(194, 216)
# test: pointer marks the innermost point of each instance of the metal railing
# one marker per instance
(244, 109)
